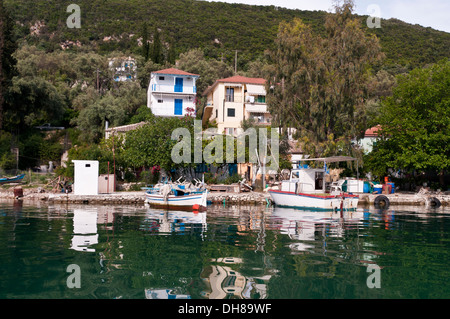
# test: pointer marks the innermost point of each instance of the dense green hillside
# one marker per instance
(218, 28)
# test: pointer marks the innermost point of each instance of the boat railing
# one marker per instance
(151, 189)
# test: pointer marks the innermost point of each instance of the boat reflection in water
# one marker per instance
(182, 222)
(164, 294)
(302, 225)
(165, 222)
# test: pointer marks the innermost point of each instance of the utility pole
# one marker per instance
(235, 62)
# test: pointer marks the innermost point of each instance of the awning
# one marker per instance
(332, 159)
(256, 89)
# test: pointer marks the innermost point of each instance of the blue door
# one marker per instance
(178, 84)
(178, 107)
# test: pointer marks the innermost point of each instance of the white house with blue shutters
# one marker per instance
(172, 92)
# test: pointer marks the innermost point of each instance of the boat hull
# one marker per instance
(313, 201)
(14, 179)
(186, 202)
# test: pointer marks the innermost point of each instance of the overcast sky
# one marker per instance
(427, 13)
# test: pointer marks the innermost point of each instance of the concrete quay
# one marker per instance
(406, 199)
(129, 197)
(228, 198)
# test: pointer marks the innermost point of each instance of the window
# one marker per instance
(87, 165)
(261, 99)
(160, 101)
(229, 96)
(217, 114)
(161, 78)
(231, 112)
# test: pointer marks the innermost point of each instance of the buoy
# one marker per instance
(381, 202)
(196, 207)
(434, 202)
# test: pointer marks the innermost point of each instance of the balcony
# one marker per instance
(256, 108)
(161, 88)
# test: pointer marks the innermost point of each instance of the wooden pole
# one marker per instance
(107, 187)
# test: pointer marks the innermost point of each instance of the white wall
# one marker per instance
(168, 84)
(86, 177)
(167, 107)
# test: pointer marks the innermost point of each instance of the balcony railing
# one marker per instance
(256, 108)
(161, 88)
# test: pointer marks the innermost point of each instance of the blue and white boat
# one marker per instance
(177, 196)
(15, 179)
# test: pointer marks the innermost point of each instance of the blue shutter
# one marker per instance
(178, 85)
(178, 107)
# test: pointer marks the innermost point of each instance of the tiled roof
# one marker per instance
(237, 79)
(174, 72)
(373, 131)
(243, 79)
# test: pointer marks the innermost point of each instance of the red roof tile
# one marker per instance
(373, 131)
(175, 72)
(243, 79)
(237, 79)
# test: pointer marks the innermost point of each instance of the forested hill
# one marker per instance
(218, 28)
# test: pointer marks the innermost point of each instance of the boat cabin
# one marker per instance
(305, 180)
(312, 180)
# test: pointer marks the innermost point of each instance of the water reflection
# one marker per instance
(84, 229)
(180, 222)
(222, 281)
(164, 294)
(226, 252)
(85, 221)
(303, 225)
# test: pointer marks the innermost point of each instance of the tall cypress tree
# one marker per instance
(145, 44)
(157, 55)
(171, 54)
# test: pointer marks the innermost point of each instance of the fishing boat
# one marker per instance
(177, 196)
(306, 189)
(15, 179)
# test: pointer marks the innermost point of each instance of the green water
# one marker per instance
(134, 252)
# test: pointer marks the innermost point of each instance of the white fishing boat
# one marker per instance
(177, 196)
(307, 189)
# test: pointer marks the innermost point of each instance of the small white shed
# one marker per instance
(85, 177)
